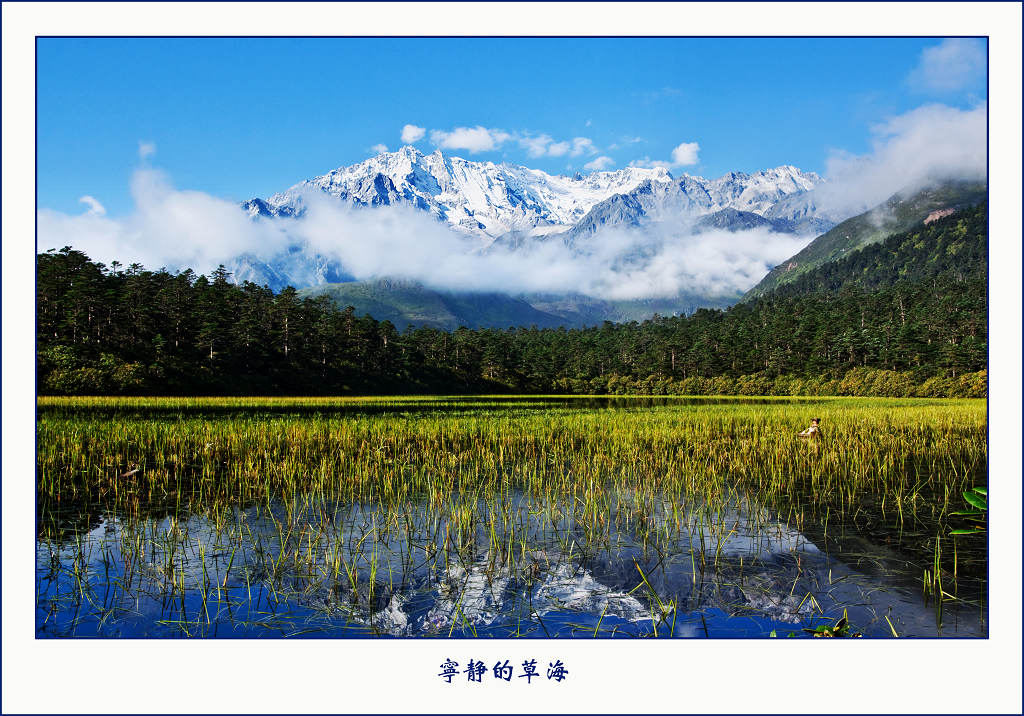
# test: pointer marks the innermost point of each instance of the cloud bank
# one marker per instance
(187, 229)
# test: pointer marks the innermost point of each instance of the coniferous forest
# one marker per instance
(905, 317)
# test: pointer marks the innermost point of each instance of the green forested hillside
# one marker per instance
(899, 214)
(953, 246)
(907, 317)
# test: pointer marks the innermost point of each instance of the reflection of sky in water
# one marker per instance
(733, 571)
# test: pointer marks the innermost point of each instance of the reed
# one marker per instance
(341, 503)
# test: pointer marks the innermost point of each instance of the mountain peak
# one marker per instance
(487, 200)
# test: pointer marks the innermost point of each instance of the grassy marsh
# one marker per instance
(533, 516)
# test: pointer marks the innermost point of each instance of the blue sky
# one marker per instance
(238, 118)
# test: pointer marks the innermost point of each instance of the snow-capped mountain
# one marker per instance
(728, 199)
(477, 198)
(488, 200)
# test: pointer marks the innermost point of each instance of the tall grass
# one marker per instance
(363, 492)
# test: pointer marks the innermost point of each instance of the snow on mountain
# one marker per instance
(736, 194)
(477, 198)
(758, 192)
(488, 200)
(507, 207)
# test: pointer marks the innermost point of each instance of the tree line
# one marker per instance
(909, 317)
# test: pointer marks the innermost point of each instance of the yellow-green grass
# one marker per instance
(893, 448)
(435, 484)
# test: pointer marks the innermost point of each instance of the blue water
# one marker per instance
(310, 567)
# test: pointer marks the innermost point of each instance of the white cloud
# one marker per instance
(379, 148)
(627, 141)
(685, 154)
(599, 164)
(146, 150)
(559, 149)
(648, 163)
(953, 65)
(543, 145)
(581, 145)
(168, 227)
(535, 146)
(472, 139)
(665, 260)
(412, 134)
(910, 151)
(95, 208)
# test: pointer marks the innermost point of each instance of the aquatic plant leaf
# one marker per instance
(976, 500)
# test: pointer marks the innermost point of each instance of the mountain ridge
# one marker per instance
(488, 200)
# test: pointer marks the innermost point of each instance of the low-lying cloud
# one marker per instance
(187, 229)
(168, 228)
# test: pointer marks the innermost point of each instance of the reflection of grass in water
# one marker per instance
(337, 493)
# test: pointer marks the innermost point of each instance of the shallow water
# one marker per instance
(315, 569)
(455, 405)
